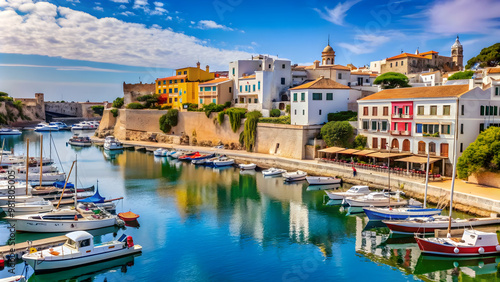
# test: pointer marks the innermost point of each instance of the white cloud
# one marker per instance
(207, 24)
(337, 14)
(122, 7)
(140, 4)
(42, 28)
(127, 13)
(158, 4)
(73, 1)
(120, 1)
(463, 16)
(65, 68)
(368, 43)
(97, 8)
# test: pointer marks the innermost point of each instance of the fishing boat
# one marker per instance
(160, 152)
(472, 243)
(353, 192)
(223, 161)
(322, 180)
(110, 143)
(9, 131)
(374, 213)
(80, 141)
(128, 216)
(379, 199)
(429, 224)
(79, 249)
(41, 127)
(294, 176)
(247, 166)
(273, 172)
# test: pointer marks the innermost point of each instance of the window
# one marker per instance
(384, 125)
(241, 88)
(182, 80)
(482, 111)
(317, 96)
(302, 97)
(233, 71)
(420, 110)
(253, 88)
(246, 88)
(432, 147)
(419, 128)
(201, 89)
(462, 128)
(463, 109)
(214, 88)
(175, 99)
(391, 65)
(295, 97)
(406, 126)
(201, 101)
(433, 110)
(461, 147)
(319, 112)
(374, 142)
(208, 88)
(269, 65)
(159, 91)
(175, 80)
(487, 110)
(396, 64)
(374, 111)
(365, 111)
(258, 85)
(445, 129)
(230, 90)
(170, 82)
(407, 110)
(385, 111)
(214, 101)
(295, 112)
(365, 124)
(446, 110)
(170, 90)
(339, 75)
(303, 112)
(85, 243)
(175, 90)
(179, 73)
(170, 100)
(481, 127)
(164, 91)
(159, 82)
(283, 66)
(282, 81)
(496, 91)
(329, 96)
(367, 80)
(185, 72)
(374, 125)
(402, 63)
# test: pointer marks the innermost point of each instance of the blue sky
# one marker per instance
(84, 50)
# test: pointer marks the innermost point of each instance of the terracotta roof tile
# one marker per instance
(420, 92)
(336, 67)
(428, 53)
(173, 77)
(321, 83)
(405, 55)
(248, 76)
(214, 81)
(494, 70)
(429, 73)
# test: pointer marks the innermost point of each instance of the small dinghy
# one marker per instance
(160, 152)
(80, 249)
(321, 180)
(273, 172)
(223, 161)
(247, 166)
(128, 216)
(295, 176)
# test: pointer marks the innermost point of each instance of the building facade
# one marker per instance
(217, 91)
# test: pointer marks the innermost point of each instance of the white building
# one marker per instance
(259, 82)
(311, 102)
(421, 120)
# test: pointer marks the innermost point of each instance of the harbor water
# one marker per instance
(219, 224)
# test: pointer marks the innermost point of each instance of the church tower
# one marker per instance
(457, 54)
(328, 55)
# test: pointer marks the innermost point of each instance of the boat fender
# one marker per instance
(480, 250)
(76, 217)
(2, 263)
(33, 250)
(498, 248)
(130, 242)
(456, 250)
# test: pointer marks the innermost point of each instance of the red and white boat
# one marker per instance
(429, 224)
(473, 243)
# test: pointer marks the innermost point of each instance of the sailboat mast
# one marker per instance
(27, 162)
(454, 173)
(1, 155)
(426, 179)
(76, 177)
(41, 159)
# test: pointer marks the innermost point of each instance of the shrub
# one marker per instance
(5, 98)
(118, 103)
(114, 112)
(151, 101)
(227, 104)
(461, 75)
(19, 106)
(168, 120)
(287, 109)
(135, 106)
(98, 109)
(3, 119)
(481, 155)
(337, 133)
(212, 107)
(220, 117)
(343, 115)
(275, 113)
(235, 117)
(4, 94)
(278, 120)
(250, 130)
(190, 106)
(165, 107)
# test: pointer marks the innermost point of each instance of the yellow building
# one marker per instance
(183, 87)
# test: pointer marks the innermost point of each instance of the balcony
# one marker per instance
(401, 116)
(405, 133)
(395, 132)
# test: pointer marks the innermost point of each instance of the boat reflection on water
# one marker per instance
(133, 223)
(324, 187)
(110, 155)
(112, 270)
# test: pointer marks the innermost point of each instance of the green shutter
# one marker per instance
(496, 91)
(495, 110)
(482, 110)
(295, 97)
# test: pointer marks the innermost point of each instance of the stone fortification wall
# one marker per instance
(486, 178)
(67, 108)
(132, 91)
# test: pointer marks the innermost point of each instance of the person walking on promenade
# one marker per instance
(353, 171)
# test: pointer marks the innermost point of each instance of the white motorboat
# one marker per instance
(46, 127)
(199, 162)
(170, 153)
(247, 166)
(64, 220)
(379, 199)
(273, 172)
(295, 176)
(110, 143)
(160, 152)
(80, 249)
(322, 180)
(223, 161)
(9, 131)
(60, 125)
(84, 125)
(12, 160)
(354, 191)
(80, 141)
(40, 206)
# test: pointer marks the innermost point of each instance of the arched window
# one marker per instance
(406, 145)
(444, 149)
(432, 148)
(395, 144)
(328, 61)
(421, 147)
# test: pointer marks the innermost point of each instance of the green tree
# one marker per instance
(391, 80)
(151, 100)
(488, 57)
(118, 103)
(135, 106)
(275, 113)
(461, 75)
(168, 120)
(360, 141)
(98, 109)
(482, 154)
(337, 133)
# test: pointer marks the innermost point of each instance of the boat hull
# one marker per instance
(295, 178)
(435, 248)
(40, 266)
(80, 144)
(223, 163)
(322, 180)
(52, 226)
(410, 227)
(384, 203)
(395, 214)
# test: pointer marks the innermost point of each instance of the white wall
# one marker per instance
(307, 112)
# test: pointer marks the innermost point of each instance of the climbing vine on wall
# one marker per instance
(220, 117)
(235, 117)
(168, 120)
(250, 129)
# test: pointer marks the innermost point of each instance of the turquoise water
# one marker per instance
(205, 224)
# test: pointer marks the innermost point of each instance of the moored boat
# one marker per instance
(294, 176)
(354, 191)
(273, 172)
(41, 206)
(379, 199)
(472, 243)
(223, 161)
(128, 216)
(80, 141)
(429, 224)
(79, 249)
(322, 180)
(110, 143)
(187, 157)
(247, 166)
(160, 152)
(399, 213)
(9, 131)
(41, 127)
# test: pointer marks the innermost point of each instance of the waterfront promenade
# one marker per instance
(468, 197)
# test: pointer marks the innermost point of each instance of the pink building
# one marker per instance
(401, 118)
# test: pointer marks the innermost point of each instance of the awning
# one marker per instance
(348, 151)
(388, 155)
(364, 152)
(417, 159)
(332, 150)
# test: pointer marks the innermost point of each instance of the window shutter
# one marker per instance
(482, 110)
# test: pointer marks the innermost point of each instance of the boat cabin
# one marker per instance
(359, 189)
(479, 238)
(80, 240)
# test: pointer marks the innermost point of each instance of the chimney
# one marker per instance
(198, 64)
(207, 68)
(316, 64)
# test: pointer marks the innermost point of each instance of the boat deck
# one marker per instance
(22, 248)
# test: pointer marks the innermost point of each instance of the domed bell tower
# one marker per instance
(457, 53)
(328, 55)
